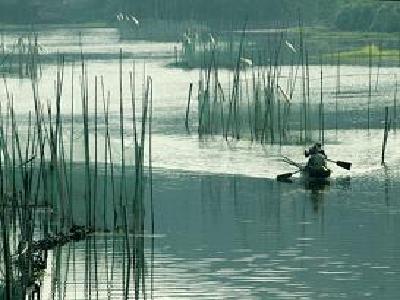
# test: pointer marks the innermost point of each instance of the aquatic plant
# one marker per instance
(263, 103)
(41, 194)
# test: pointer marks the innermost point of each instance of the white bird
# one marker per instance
(212, 40)
(246, 62)
(22, 247)
(186, 39)
(41, 48)
(136, 21)
(290, 46)
(120, 17)
(284, 95)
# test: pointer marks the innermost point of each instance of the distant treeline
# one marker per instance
(363, 15)
(379, 16)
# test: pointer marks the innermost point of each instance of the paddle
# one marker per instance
(343, 164)
(283, 177)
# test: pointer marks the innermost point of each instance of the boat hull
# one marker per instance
(317, 173)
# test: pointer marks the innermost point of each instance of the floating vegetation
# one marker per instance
(43, 196)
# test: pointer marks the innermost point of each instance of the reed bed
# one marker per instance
(198, 45)
(256, 106)
(44, 192)
(22, 58)
(270, 102)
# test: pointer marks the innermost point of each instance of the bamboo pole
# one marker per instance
(385, 135)
(188, 107)
(121, 123)
(395, 105)
(320, 104)
(151, 193)
(337, 90)
(71, 151)
(303, 88)
(105, 182)
(308, 108)
(379, 65)
(369, 82)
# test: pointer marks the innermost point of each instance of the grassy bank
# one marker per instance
(260, 46)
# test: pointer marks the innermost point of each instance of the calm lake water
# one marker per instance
(224, 228)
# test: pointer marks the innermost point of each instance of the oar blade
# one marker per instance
(283, 177)
(344, 164)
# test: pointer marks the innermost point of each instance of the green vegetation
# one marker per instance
(369, 16)
(363, 53)
(200, 47)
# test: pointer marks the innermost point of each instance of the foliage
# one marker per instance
(369, 16)
(360, 15)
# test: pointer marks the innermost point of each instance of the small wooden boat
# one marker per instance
(318, 173)
(309, 171)
(315, 170)
(316, 167)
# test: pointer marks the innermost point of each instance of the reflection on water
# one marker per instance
(230, 237)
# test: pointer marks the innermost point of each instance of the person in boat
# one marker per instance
(317, 157)
(315, 149)
(316, 161)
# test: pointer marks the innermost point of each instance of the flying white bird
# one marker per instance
(136, 21)
(120, 16)
(290, 46)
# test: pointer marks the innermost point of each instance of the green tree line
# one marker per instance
(362, 15)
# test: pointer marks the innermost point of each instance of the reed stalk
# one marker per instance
(5, 238)
(105, 187)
